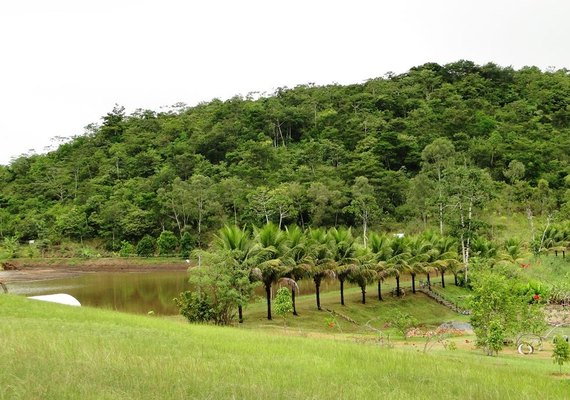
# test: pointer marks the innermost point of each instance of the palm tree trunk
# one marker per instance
(363, 290)
(268, 295)
(397, 285)
(414, 283)
(318, 293)
(240, 314)
(429, 282)
(443, 279)
(455, 279)
(379, 290)
(341, 291)
(293, 299)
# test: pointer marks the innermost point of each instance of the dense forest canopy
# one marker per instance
(424, 149)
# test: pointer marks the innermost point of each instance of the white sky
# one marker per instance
(65, 63)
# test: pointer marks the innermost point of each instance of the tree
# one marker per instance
(561, 351)
(270, 248)
(343, 248)
(437, 162)
(283, 303)
(235, 250)
(380, 252)
(499, 310)
(166, 243)
(363, 204)
(145, 246)
(469, 190)
(321, 257)
(298, 257)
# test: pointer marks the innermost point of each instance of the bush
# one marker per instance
(187, 243)
(403, 322)
(127, 249)
(166, 243)
(283, 304)
(145, 247)
(561, 351)
(196, 307)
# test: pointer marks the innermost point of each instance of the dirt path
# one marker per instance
(36, 270)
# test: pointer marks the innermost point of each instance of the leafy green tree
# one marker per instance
(283, 303)
(363, 205)
(499, 311)
(146, 246)
(166, 243)
(437, 162)
(561, 351)
(127, 249)
(186, 244)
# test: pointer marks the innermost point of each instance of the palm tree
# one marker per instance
(419, 253)
(398, 261)
(235, 246)
(447, 257)
(512, 251)
(380, 251)
(269, 249)
(322, 263)
(344, 255)
(363, 272)
(298, 257)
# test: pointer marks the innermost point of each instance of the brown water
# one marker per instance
(132, 292)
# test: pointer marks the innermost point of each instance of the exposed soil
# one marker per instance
(35, 270)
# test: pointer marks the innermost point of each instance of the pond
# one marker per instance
(132, 292)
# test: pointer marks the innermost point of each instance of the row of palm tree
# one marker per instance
(271, 255)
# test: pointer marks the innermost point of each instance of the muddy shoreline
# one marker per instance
(46, 269)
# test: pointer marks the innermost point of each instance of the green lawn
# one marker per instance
(51, 351)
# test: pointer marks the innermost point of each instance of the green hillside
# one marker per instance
(407, 145)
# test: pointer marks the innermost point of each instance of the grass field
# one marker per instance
(50, 351)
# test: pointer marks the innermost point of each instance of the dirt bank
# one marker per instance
(42, 269)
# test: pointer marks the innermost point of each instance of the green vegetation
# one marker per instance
(459, 148)
(561, 351)
(53, 351)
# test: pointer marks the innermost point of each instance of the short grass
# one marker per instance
(367, 317)
(49, 351)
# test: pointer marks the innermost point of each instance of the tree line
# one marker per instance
(446, 147)
(239, 259)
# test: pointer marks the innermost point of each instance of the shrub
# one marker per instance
(283, 304)
(195, 306)
(166, 243)
(187, 243)
(403, 322)
(145, 247)
(561, 351)
(127, 249)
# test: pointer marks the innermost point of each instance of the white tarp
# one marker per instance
(60, 298)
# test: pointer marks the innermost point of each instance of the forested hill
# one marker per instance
(398, 150)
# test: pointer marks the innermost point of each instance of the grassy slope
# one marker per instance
(50, 351)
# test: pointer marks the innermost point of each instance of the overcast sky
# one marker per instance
(65, 63)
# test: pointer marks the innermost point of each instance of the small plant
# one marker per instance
(11, 246)
(403, 322)
(561, 351)
(127, 249)
(283, 304)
